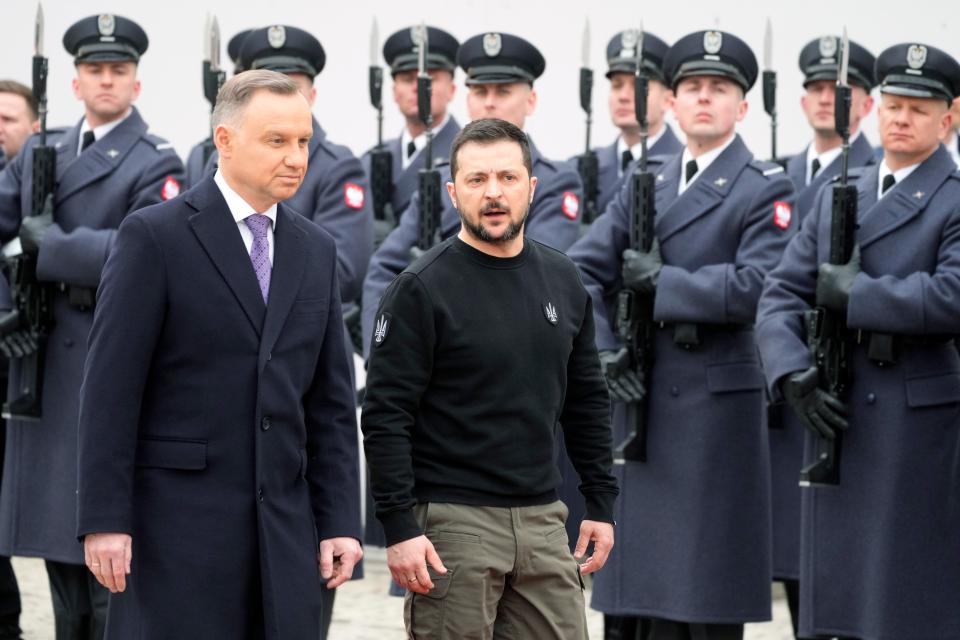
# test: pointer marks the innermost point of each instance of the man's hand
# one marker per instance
(408, 561)
(108, 556)
(33, 228)
(337, 558)
(601, 535)
(624, 384)
(818, 410)
(641, 270)
(18, 344)
(834, 282)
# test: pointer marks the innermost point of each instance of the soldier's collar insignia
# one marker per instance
(550, 313)
(113, 153)
(660, 177)
(918, 195)
(720, 182)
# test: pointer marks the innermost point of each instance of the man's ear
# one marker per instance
(452, 192)
(223, 140)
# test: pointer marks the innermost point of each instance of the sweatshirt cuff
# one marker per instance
(600, 507)
(399, 525)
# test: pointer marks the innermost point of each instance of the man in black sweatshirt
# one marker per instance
(483, 350)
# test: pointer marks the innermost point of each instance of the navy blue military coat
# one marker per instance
(879, 553)
(693, 522)
(608, 165)
(335, 194)
(218, 431)
(124, 171)
(196, 169)
(553, 220)
(786, 441)
(405, 181)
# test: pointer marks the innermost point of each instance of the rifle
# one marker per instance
(587, 163)
(381, 160)
(213, 77)
(770, 90)
(32, 309)
(634, 319)
(428, 227)
(827, 333)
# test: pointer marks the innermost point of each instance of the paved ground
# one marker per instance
(363, 611)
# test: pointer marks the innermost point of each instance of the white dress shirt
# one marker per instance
(419, 142)
(899, 175)
(635, 149)
(953, 146)
(825, 158)
(703, 161)
(240, 210)
(102, 130)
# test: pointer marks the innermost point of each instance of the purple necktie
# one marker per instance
(260, 250)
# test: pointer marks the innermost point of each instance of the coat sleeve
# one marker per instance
(388, 261)
(331, 423)
(585, 419)
(127, 323)
(547, 222)
(77, 257)
(920, 303)
(597, 256)
(399, 372)
(789, 292)
(727, 293)
(348, 219)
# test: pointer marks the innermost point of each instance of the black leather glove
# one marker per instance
(18, 344)
(818, 410)
(33, 228)
(641, 270)
(834, 282)
(624, 384)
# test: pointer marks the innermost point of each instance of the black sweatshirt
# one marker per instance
(475, 361)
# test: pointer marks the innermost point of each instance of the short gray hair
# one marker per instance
(238, 90)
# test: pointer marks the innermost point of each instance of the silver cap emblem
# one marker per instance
(712, 41)
(277, 36)
(492, 44)
(106, 24)
(916, 56)
(828, 47)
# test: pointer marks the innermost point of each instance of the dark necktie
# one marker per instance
(625, 160)
(88, 139)
(690, 171)
(814, 168)
(411, 148)
(888, 181)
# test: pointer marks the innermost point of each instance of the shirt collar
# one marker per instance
(825, 158)
(421, 140)
(899, 175)
(240, 208)
(635, 149)
(103, 129)
(703, 161)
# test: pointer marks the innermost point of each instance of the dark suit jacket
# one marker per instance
(218, 431)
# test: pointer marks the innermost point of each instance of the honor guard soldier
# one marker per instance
(107, 166)
(809, 170)
(334, 191)
(194, 165)
(401, 53)
(692, 556)
(879, 558)
(18, 118)
(501, 69)
(614, 159)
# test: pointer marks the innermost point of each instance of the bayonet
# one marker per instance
(214, 40)
(38, 32)
(587, 164)
(770, 88)
(374, 44)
